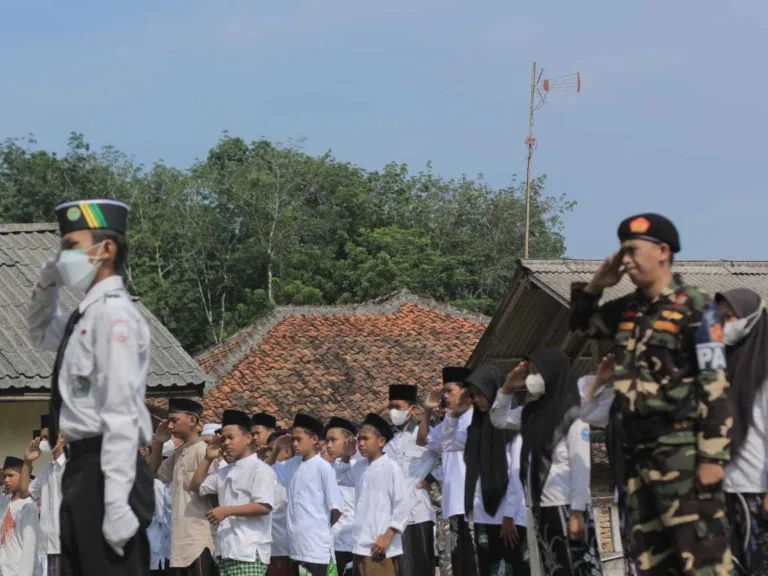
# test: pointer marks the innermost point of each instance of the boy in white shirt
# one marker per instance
(382, 504)
(341, 440)
(19, 525)
(245, 489)
(314, 499)
(280, 563)
(46, 489)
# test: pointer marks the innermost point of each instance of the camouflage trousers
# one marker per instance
(674, 526)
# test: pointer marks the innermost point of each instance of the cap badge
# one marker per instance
(639, 225)
(73, 214)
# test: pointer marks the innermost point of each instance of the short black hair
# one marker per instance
(122, 246)
(275, 436)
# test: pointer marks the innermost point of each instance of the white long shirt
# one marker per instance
(448, 439)
(47, 489)
(103, 381)
(513, 504)
(280, 540)
(19, 533)
(246, 481)
(158, 532)
(416, 462)
(747, 470)
(382, 501)
(343, 530)
(312, 494)
(597, 410)
(568, 480)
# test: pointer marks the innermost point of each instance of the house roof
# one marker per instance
(24, 370)
(535, 312)
(337, 360)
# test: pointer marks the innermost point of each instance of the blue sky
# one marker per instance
(671, 118)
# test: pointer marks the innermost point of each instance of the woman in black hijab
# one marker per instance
(493, 494)
(555, 461)
(745, 326)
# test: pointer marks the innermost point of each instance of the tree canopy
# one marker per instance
(259, 224)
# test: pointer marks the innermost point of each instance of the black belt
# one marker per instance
(79, 448)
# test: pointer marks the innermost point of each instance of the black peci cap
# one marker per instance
(308, 423)
(92, 215)
(264, 419)
(13, 463)
(651, 227)
(455, 374)
(184, 405)
(403, 392)
(342, 423)
(380, 424)
(235, 418)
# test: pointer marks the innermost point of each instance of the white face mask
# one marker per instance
(399, 417)
(734, 332)
(535, 385)
(75, 268)
(45, 446)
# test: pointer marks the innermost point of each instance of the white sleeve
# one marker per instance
(764, 413)
(579, 456)
(420, 468)
(345, 473)
(401, 508)
(45, 322)
(36, 486)
(29, 526)
(116, 338)
(597, 410)
(263, 487)
(159, 502)
(284, 471)
(333, 498)
(434, 437)
(210, 485)
(513, 505)
(505, 413)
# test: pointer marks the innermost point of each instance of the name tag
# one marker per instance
(711, 356)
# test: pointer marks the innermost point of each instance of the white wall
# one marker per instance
(17, 421)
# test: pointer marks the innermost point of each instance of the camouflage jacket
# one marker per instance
(670, 360)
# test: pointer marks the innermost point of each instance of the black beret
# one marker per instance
(380, 424)
(403, 392)
(455, 374)
(13, 463)
(92, 215)
(184, 405)
(308, 423)
(235, 418)
(264, 419)
(342, 423)
(651, 227)
(45, 421)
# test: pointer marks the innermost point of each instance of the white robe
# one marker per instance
(19, 537)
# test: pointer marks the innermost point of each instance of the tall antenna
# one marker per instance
(569, 83)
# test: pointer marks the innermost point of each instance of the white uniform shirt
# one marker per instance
(597, 410)
(416, 462)
(19, 533)
(158, 532)
(280, 541)
(568, 480)
(312, 494)
(381, 502)
(246, 481)
(343, 530)
(47, 489)
(513, 504)
(448, 439)
(746, 472)
(103, 381)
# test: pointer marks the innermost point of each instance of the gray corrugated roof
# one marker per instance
(535, 312)
(23, 249)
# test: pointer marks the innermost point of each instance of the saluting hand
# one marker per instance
(213, 452)
(432, 401)
(162, 434)
(32, 452)
(516, 379)
(609, 274)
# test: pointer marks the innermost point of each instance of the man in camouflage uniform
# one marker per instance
(670, 388)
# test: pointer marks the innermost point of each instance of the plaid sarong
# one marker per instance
(54, 565)
(236, 568)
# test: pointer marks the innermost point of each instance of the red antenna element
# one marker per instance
(569, 83)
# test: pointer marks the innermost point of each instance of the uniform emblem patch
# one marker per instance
(639, 225)
(711, 356)
(81, 387)
(119, 331)
(73, 214)
(585, 434)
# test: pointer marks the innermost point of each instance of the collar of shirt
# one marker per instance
(60, 461)
(671, 288)
(100, 289)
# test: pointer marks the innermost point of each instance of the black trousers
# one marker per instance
(84, 552)
(314, 569)
(418, 557)
(463, 549)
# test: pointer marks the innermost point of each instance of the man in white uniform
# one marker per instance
(97, 392)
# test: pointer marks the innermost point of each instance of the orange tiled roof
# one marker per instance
(338, 362)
